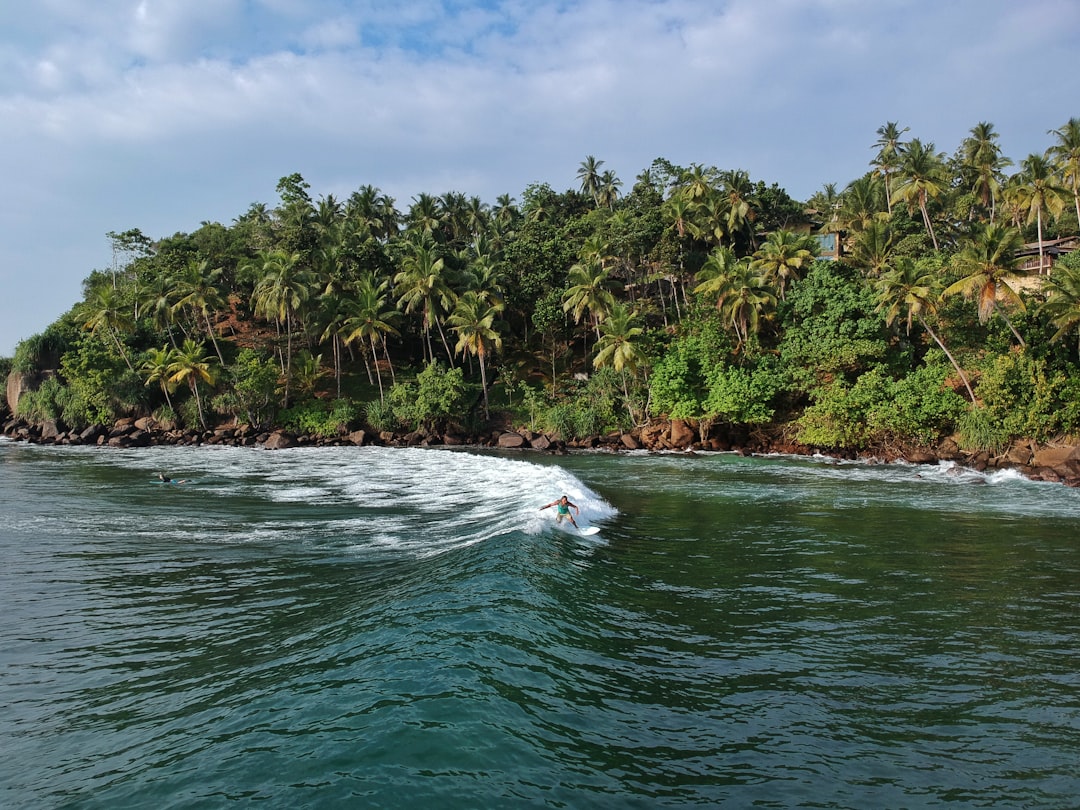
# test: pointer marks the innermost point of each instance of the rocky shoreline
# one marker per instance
(1051, 463)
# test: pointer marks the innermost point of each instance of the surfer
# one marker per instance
(166, 480)
(563, 510)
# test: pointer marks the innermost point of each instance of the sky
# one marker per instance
(163, 114)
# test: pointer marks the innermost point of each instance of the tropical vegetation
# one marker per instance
(697, 294)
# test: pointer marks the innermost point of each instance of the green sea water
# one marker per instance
(367, 627)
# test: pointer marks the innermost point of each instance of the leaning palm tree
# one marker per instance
(922, 178)
(107, 312)
(988, 263)
(156, 301)
(156, 367)
(1066, 157)
(783, 257)
(191, 365)
(199, 291)
(1063, 301)
(473, 319)
(907, 291)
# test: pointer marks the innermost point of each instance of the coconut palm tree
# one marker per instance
(742, 294)
(862, 202)
(872, 248)
(618, 347)
(989, 262)
(922, 178)
(739, 202)
(697, 182)
(608, 192)
(1038, 195)
(907, 291)
(473, 319)
(105, 311)
(783, 257)
(367, 317)
(1063, 301)
(590, 291)
(887, 160)
(191, 365)
(1066, 157)
(280, 295)
(156, 367)
(424, 214)
(197, 288)
(591, 179)
(423, 285)
(156, 301)
(983, 164)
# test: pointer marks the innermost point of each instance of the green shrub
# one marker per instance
(315, 417)
(437, 396)
(380, 415)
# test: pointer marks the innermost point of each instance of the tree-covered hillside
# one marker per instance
(693, 293)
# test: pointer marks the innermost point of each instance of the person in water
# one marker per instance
(563, 507)
(166, 480)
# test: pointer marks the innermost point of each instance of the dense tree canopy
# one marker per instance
(698, 293)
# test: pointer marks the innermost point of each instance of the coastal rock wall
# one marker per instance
(1059, 463)
(18, 383)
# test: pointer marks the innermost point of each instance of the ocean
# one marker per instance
(375, 627)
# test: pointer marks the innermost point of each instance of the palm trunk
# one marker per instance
(1012, 328)
(375, 360)
(120, 348)
(1038, 220)
(926, 220)
(483, 383)
(952, 359)
(198, 402)
(210, 331)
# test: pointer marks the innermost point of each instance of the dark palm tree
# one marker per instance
(619, 347)
(369, 318)
(591, 179)
(105, 311)
(907, 291)
(742, 295)
(1063, 301)
(1066, 157)
(590, 291)
(198, 290)
(423, 284)
(156, 366)
(473, 319)
(280, 295)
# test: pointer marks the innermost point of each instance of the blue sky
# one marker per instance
(161, 114)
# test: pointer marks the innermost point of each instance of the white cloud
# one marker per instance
(161, 113)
